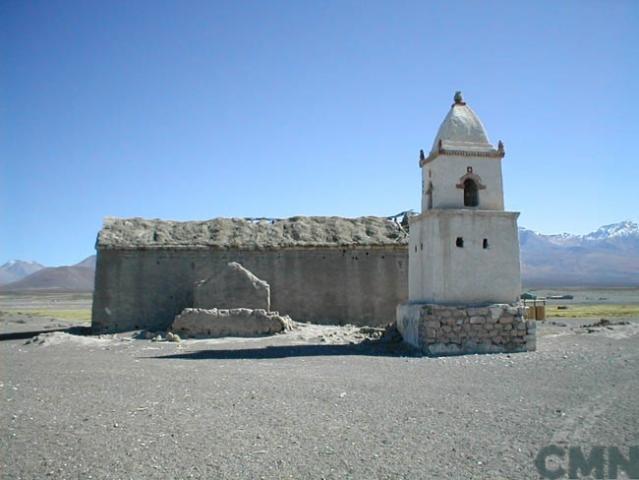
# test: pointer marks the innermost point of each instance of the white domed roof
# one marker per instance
(462, 129)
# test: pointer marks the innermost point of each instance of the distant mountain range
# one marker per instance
(31, 276)
(608, 256)
(17, 269)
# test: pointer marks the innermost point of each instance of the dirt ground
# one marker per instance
(316, 402)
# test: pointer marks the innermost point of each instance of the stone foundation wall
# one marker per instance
(450, 330)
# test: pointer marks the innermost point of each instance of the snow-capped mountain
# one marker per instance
(607, 256)
(616, 231)
(15, 270)
(621, 230)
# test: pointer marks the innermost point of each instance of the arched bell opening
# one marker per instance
(471, 183)
(471, 193)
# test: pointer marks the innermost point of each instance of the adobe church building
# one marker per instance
(453, 287)
(327, 270)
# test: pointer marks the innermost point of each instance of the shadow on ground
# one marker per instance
(33, 333)
(374, 349)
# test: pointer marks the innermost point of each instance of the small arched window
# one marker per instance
(471, 196)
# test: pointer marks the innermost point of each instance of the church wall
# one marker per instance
(146, 289)
(446, 172)
(444, 273)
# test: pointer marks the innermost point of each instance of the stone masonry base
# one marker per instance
(454, 330)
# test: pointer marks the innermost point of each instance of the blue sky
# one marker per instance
(193, 110)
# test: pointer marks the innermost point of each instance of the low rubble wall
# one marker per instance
(234, 322)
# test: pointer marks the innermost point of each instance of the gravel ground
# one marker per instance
(309, 404)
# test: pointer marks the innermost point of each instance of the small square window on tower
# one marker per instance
(459, 242)
(485, 244)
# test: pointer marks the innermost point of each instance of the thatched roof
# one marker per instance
(250, 234)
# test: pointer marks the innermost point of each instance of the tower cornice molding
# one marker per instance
(494, 153)
(456, 212)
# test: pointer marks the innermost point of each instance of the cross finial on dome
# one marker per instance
(458, 98)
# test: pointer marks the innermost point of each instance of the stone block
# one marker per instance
(434, 324)
(486, 347)
(496, 312)
(426, 311)
(444, 349)
(512, 310)
(233, 287)
(470, 345)
(476, 320)
(473, 311)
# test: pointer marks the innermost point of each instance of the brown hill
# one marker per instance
(88, 262)
(77, 279)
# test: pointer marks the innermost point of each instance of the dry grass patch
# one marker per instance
(585, 311)
(78, 315)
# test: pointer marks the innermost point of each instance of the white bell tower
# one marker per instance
(463, 247)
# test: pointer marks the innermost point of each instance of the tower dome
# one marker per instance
(461, 129)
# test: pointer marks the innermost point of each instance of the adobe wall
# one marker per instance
(146, 289)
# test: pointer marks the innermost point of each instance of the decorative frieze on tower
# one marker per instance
(463, 248)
